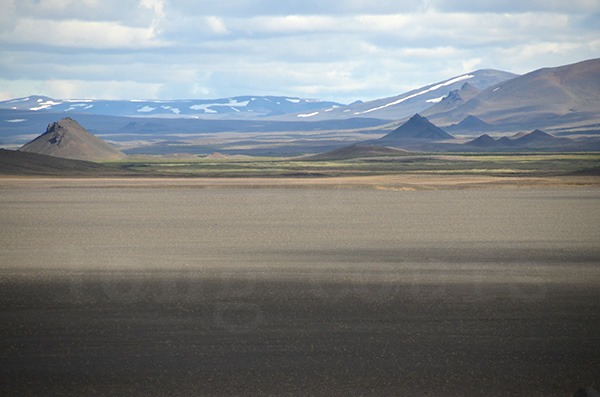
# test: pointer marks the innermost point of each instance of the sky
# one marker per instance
(338, 50)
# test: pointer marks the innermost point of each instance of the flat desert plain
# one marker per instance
(226, 287)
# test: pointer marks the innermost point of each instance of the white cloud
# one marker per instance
(127, 12)
(340, 49)
(295, 23)
(516, 6)
(76, 33)
(248, 8)
(8, 14)
(158, 8)
(527, 57)
(287, 24)
(6, 95)
(216, 25)
(470, 65)
(79, 89)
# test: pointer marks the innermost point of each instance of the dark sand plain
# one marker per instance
(182, 287)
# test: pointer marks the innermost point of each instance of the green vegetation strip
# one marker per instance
(492, 164)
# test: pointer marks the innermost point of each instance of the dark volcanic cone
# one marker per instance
(418, 127)
(484, 141)
(67, 139)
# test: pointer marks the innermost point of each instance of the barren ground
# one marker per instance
(392, 285)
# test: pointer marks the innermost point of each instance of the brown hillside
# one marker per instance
(564, 95)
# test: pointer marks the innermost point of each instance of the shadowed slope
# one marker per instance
(23, 163)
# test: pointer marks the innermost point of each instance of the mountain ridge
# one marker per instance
(411, 102)
(239, 107)
(279, 108)
(547, 97)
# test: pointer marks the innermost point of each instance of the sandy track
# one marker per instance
(384, 182)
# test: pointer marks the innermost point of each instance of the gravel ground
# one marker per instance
(298, 291)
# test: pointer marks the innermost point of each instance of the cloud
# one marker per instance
(80, 34)
(82, 89)
(158, 8)
(8, 15)
(516, 6)
(127, 12)
(216, 25)
(339, 49)
(252, 8)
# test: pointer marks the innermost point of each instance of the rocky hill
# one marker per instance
(67, 139)
(416, 128)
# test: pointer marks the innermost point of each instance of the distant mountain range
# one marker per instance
(408, 103)
(242, 107)
(563, 101)
(420, 135)
(534, 140)
(274, 107)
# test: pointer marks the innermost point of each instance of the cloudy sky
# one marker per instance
(340, 50)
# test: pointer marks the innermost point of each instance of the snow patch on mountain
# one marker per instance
(308, 114)
(172, 109)
(44, 105)
(205, 107)
(436, 100)
(433, 88)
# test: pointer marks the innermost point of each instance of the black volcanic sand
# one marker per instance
(119, 291)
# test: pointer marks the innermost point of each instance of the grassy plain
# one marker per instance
(535, 164)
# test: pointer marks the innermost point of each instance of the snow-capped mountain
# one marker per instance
(274, 107)
(567, 95)
(242, 107)
(408, 103)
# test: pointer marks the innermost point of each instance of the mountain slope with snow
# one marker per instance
(409, 103)
(559, 97)
(243, 107)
